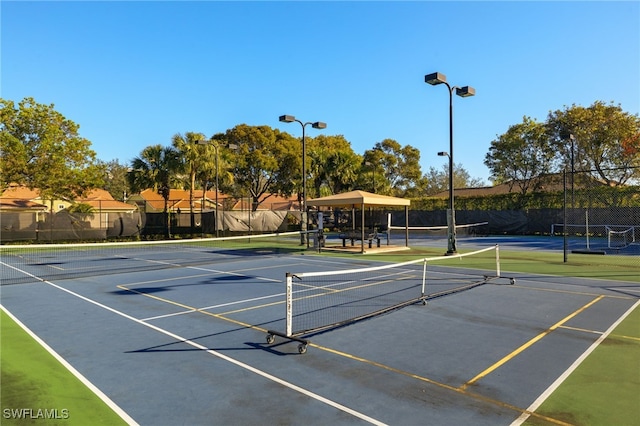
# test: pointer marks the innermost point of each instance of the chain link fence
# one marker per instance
(46, 226)
(599, 218)
(33, 223)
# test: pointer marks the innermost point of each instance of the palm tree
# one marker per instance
(156, 168)
(342, 170)
(214, 166)
(191, 154)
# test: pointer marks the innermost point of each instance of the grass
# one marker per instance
(39, 389)
(605, 388)
(619, 268)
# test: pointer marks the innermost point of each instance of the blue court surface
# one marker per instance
(188, 345)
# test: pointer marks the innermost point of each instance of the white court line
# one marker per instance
(221, 305)
(217, 354)
(538, 402)
(238, 302)
(175, 314)
(119, 411)
(209, 272)
(198, 268)
(623, 289)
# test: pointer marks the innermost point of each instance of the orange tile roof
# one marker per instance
(15, 203)
(17, 197)
(20, 192)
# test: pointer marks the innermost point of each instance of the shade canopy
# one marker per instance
(357, 199)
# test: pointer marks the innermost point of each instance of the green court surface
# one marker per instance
(605, 388)
(38, 389)
(622, 268)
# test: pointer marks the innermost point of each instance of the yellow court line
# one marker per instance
(248, 308)
(163, 280)
(581, 293)
(455, 389)
(525, 346)
(194, 309)
(160, 299)
(459, 390)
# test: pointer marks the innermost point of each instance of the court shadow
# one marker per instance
(249, 346)
(141, 290)
(272, 348)
(231, 278)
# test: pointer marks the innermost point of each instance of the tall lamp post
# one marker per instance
(434, 79)
(303, 206)
(216, 147)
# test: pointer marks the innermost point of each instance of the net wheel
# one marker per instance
(424, 302)
(270, 338)
(302, 348)
(513, 281)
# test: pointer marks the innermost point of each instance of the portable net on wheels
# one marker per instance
(319, 301)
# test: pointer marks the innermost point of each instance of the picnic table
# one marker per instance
(356, 235)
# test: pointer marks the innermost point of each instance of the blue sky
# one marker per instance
(132, 74)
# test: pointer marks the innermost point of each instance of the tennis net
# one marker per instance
(420, 233)
(620, 238)
(33, 262)
(318, 301)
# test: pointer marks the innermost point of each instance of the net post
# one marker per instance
(289, 316)
(424, 282)
(497, 260)
(406, 226)
(586, 221)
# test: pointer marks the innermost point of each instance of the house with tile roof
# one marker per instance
(18, 197)
(23, 213)
(151, 201)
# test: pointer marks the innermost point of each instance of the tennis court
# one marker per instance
(178, 334)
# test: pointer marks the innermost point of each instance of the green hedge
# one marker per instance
(602, 196)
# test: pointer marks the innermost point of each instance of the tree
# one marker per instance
(157, 168)
(401, 165)
(605, 140)
(266, 161)
(42, 149)
(207, 168)
(437, 180)
(372, 174)
(521, 156)
(191, 155)
(115, 179)
(334, 166)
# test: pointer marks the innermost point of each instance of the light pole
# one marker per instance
(303, 205)
(573, 170)
(451, 218)
(216, 146)
(466, 91)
